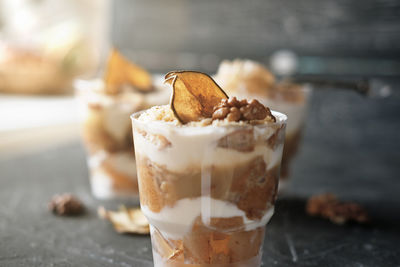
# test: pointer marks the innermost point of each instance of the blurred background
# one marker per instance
(329, 37)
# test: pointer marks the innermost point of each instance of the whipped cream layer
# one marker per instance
(101, 177)
(102, 187)
(114, 110)
(173, 225)
(101, 184)
(122, 162)
(197, 147)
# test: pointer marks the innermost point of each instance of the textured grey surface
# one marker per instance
(351, 148)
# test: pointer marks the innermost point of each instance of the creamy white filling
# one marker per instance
(95, 160)
(116, 120)
(123, 162)
(174, 222)
(102, 187)
(201, 152)
(113, 116)
(197, 146)
(116, 109)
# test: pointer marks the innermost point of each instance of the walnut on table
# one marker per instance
(329, 207)
(66, 205)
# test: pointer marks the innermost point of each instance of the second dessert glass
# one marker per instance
(107, 135)
(292, 100)
(208, 191)
(249, 79)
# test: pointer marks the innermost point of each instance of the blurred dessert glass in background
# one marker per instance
(249, 79)
(105, 105)
(45, 44)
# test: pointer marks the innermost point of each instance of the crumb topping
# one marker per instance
(159, 113)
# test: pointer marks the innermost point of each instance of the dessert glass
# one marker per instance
(107, 135)
(292, 100)
(208, 191)
(45, 44)
(251, 80)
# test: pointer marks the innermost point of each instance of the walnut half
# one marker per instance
(329, 207)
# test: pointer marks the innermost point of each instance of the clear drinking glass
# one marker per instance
(208, 191)
(292, 101)
(107, 135)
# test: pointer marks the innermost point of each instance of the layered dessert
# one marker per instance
(45, 45)
(249, 79)
(208, 170)
(105, 107)
(24, 71)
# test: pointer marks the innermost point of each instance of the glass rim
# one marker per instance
(206, 129)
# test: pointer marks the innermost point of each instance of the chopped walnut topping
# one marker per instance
(234, 110)
(328, 206)
(66, 205)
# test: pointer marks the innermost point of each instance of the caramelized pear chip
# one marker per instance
(121, 71)
(194, 95)
(126, 220)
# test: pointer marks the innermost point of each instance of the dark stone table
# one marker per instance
(351, 148)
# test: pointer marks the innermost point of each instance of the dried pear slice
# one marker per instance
(121, 71)
(194, 95)
(126, 220)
